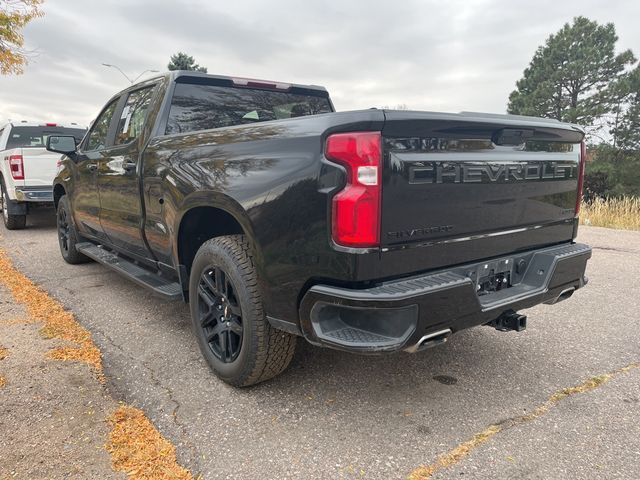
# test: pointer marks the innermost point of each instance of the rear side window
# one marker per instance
(100, 128)
(133, 115)
(36, 137)
(201, 107)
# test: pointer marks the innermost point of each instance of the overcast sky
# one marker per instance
(442, 56)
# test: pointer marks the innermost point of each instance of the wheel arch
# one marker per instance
(58, 192)
(209, 215)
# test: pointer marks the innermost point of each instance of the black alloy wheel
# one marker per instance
(63, 230)
(229, 322)
(220, 314)
(68, 237)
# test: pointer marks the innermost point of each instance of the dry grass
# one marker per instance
(621, 213)
(136, 447)
(3, 354)
(455, 455)
(590, 384)
(139, 450)
(58, 322)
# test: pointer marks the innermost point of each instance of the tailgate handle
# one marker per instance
(128, 165)
(512, 136)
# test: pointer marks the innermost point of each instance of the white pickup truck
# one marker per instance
(27, 169)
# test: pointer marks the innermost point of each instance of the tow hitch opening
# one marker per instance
(509, 321)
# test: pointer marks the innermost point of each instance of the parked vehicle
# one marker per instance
(27, 168)
(275, 217)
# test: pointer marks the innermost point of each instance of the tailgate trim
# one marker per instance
(417, 244)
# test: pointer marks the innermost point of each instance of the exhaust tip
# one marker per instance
(563, 296)
(430, 340)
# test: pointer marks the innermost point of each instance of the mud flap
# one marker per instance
(16, 208)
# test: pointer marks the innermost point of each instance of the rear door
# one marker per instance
(121, 210)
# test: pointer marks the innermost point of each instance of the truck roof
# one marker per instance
(25, 123)
(241, 81)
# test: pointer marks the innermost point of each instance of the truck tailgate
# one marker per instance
(39, 167)
(464, 178)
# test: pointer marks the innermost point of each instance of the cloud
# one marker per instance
(451, 56)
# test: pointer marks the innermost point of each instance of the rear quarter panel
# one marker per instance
(39, 167)
(269, 176)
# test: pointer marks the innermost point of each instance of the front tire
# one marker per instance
(239, 344)
(11, 222)
(67, 234)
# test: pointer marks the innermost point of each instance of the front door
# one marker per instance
(85, 199)
(121, 207)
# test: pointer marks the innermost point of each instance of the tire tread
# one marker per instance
(73, 257)
(12, 222)
(274, 349)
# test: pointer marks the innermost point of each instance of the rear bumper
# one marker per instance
(397, 315)
(34, 194)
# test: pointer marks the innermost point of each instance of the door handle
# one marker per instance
(128, 166)
(92, 167)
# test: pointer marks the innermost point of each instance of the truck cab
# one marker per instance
(27, 169)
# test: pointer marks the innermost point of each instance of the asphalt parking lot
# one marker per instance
(336, 415)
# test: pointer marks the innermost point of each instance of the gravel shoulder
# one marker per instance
(52, 414)
(57, 418)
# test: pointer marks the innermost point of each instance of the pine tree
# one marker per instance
(570, 75)
(626, 127)
(182, 61)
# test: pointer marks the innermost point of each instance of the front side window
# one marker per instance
(100, 129)
(202, 107)
(133, 115)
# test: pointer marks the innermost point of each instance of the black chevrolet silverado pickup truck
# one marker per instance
(275, 217)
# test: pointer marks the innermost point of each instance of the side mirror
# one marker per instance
(61, 144)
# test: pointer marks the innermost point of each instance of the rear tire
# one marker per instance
(67, 234)
(233, 333)
(11, 222)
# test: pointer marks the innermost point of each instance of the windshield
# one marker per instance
(201, 107)
(36, 137)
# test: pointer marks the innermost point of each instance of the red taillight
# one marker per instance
(356, 208)
(50, 125)
(583, 159)
(16, 166)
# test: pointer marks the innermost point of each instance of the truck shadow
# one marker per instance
(474, 354)
(41, 218)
